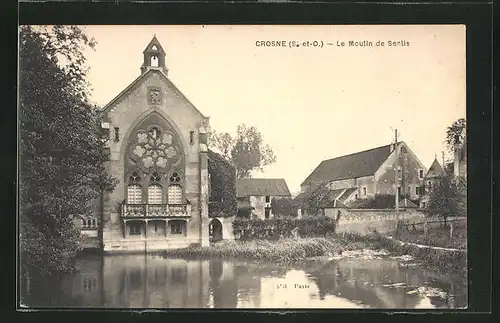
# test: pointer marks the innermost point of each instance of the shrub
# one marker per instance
(273, 229)
(222, 186)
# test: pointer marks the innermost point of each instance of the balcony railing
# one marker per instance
(155, 210)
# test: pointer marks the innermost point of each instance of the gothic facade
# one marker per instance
(158, 152)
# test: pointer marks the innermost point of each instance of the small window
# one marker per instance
(356, 196)
(400, 173)
(135, 177)
(155, 177)
(154, 61)
(154, 47)
(191, 137)
(421, 173)
(105, 134)
(417, 190)
(154, 133)
(268, 199)
(135, 229)
(176, 227)
(364, 191)
(399, 190)
(117, 134)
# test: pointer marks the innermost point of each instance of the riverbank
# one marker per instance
(328, 248)
(441, 260)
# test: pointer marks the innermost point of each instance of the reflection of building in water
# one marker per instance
(223, 284)
(155, 282)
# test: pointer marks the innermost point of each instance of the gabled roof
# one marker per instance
(335, 194)
(348, 192)
(154, 42)
(137, 80)
(436, 170)
(406, 203)
(261, 187)
(355, 165)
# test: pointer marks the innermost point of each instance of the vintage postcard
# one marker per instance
(255, 166)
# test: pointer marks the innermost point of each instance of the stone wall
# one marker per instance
(365, 221)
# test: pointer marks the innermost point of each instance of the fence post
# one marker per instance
(452, 224)
(425, 227)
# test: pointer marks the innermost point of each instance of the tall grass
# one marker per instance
(296, 250)
(283, 250)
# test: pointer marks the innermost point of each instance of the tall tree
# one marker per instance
(446, 198)
(455, 132)
(246, 151)
(61, 152)
(316, 198)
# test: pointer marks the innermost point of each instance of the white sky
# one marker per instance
(310, 104)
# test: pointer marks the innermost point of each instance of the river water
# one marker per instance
(151, 281)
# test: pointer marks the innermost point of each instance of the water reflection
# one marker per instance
(148, 281)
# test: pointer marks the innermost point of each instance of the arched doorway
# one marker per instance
(215, 230)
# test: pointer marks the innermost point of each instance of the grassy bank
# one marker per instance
(283, 250)
(440, 260)
(437, 237)
(297, 250)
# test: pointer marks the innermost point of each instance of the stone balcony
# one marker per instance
(148, 211)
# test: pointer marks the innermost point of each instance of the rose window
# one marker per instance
(155, 148)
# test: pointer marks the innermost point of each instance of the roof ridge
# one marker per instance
(359, 152)
(260, 178)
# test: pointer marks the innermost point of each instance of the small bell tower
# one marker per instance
(154, 56)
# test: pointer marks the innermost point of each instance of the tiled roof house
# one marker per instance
(368, 173)
(259, 192)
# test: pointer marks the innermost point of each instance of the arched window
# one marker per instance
(154, 61)
(154, 194)
(155, 189)
(174, 194)
(134, 191)
(175, 189)
(134, 194)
